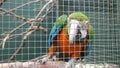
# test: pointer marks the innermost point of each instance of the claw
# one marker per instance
(71, 63)
(44, 60)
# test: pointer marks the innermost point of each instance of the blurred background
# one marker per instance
(104, 16)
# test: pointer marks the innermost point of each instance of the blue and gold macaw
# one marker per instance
(71, 36)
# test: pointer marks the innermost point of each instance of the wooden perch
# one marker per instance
(37, 58)
(53, 64)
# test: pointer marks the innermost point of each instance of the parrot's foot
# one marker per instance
(71, 63)
(45, 59)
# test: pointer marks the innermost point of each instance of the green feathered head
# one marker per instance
(78, 16)
(77, 26)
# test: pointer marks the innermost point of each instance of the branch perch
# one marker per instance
(54, 64)
(37, 58)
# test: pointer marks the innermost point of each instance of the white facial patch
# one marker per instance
(83, 33)
(83, 29)
(73, 29)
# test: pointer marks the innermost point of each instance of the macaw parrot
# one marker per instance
(71, 36)
(1, 2)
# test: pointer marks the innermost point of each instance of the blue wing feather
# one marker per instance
(61, 21)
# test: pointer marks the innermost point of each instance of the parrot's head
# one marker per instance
(77, 26)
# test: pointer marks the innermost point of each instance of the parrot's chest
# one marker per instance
(64, 45)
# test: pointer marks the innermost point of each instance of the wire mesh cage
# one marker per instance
(27, 23)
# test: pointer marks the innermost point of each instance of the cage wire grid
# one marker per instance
(104, 17)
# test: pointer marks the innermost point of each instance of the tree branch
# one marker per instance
(31, 29)
(20, 6)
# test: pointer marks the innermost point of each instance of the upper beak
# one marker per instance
(72, 31)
